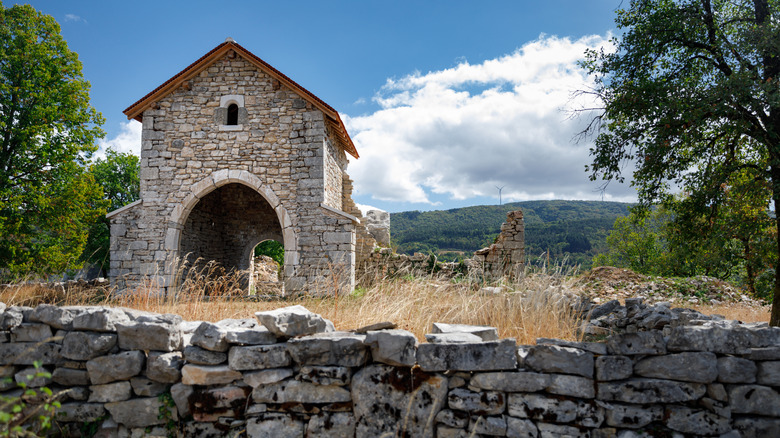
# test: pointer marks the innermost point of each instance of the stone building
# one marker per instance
(235, 153)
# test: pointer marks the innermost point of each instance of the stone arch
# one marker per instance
(198, 191)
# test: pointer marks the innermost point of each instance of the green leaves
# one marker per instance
(47, 133)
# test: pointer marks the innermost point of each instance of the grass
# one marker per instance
(537, 306)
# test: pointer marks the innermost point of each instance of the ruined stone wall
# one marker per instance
(280, 148)
(288, 373)
(506, 257)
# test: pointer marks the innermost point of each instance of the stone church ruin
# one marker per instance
(235, 153)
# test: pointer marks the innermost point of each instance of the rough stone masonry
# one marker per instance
(234, 153)
(289, 373)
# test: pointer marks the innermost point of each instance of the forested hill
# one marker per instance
(574, 228)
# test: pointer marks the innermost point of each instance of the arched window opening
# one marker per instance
(266, 268)
(232, 114)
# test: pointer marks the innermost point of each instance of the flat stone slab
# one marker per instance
(644, 391)
(208, 375)
(121, 366)
(31, 332)
(557, 410)
(250, 336)
(476, 403)
(599, 348)
(80, 412)
(258, 357)
(393, 347)
(293, 321)
(210, 337)
(151, 332)
(557, 359)
(521, 381)
(87, 345)
(100, 319)
(631, 344)
(699, 367)
(452, 338)
(264, 377)
(754, 399)
(26, 353)
(478, 356)
(332, 348)
(164, 367)
(139, 412)
(291, 391)
(486, 333)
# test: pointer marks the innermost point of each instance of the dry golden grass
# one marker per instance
(737, 311)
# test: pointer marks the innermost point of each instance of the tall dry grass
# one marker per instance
(537, 306)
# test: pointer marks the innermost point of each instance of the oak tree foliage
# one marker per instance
(47, 133)
(691, 96)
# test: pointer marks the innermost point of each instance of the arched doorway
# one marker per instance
(224, 226)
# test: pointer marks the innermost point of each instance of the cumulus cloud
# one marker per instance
(464, 130)
(128, 140)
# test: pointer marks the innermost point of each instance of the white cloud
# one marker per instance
(74, 17)
(464, 130)
(128, 140)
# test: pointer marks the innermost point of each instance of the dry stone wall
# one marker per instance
(289, 373)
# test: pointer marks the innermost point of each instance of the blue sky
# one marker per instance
(444, 99)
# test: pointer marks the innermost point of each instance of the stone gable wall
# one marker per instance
(280, 148)
(287, 373)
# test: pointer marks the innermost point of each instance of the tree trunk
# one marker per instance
(774, 320)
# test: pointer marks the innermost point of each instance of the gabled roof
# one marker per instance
(332, 118)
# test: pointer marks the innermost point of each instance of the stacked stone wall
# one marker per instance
(288, 373)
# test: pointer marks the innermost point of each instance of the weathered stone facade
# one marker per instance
(215, 184)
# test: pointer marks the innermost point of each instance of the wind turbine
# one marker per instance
(499, 193)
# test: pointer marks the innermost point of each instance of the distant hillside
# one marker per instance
(577, 229)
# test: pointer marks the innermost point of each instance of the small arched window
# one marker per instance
(232, 114)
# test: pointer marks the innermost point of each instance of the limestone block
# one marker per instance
(575, 386)
(146, 387)
(274, 426)
(70, 377)
(265, 377)
(714, 339)
(11, 317)
(768, 373)
(26, 353)
(200, 356)
(643, 391)
(520, 428)
(393, 347)
(214, 403)
(293, 321)
(521, 381)
(631, 416)
(164, 367)
(451, 338)
(80, 412)
(542, 407)
(481, 356)
(455, 419)
(331, 425)
(493, 426)
(696, 421)
(110, 392)
(100, 319)
(486, 333)
(325, 375)
(476, 403)
(121, 366)
(557, 359)
(151, 332)
(689, 367)
(756, 427)
(208, 375)
(181, 394)
(331, 348)
(211, 337)
(255, 357)
(764, 353)
(736, 370)
(32, 377)
(644, 343)
(295, 391)
(613, 368)
(139, 412)
(598, 348)
(31, 332)
(754, 399)
(59, 317)
(377, 391)
(87, 345)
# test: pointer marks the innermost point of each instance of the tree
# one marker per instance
(47, 132)
(637, 242)
(118, 175)
(691, 95)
